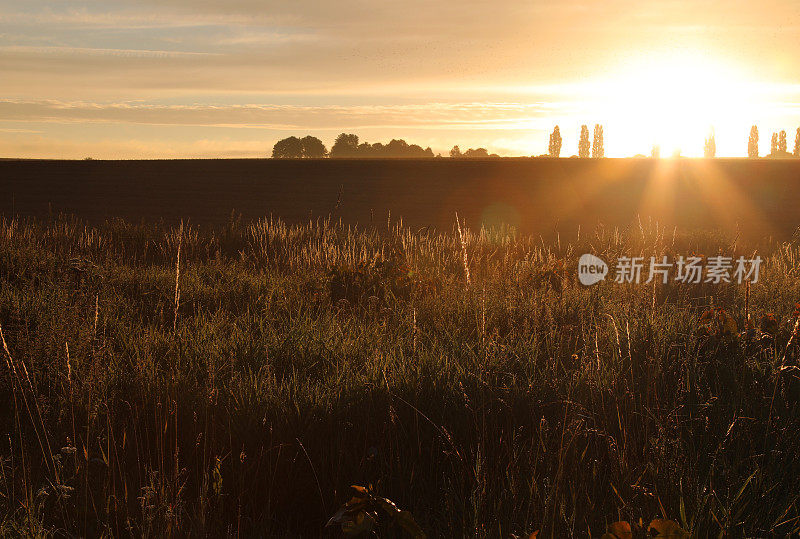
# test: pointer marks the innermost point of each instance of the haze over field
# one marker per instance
(180, 78)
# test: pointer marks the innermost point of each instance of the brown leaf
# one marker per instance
(363, 522)
(667, 528)
(618, 530)
(348, 511)
(360, 489)
(389, 506)
(406, 521)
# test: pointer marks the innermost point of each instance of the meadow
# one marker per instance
(236, 379)
(751, 198)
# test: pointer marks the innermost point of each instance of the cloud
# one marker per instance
(286, 117)
(54, 147)
(93, 51)
(125, 49)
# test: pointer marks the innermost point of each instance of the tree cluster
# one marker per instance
(477, 153)
(299, 148)
(347, 145)
(585, 149)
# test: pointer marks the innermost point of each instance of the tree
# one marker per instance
(476, 153)
(796, 151)
(455, 152)
(711, 146)
(313, 148)
(345, 146)
(773, 144)
(288, 148)
(554, 149)
(752, 144)
(597, 147)
(295, 148)
(583, 143)
(782, 141)
(655, 151)
(397, 148)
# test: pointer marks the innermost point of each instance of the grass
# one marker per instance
(238, 388)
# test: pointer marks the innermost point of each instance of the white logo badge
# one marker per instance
(591, 269)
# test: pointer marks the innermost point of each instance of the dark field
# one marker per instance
(233, 377)
(752, 197)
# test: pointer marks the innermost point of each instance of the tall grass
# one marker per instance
(235, 381)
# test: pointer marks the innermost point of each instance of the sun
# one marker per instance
(672, 101)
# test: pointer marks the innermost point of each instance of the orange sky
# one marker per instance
(189, 78)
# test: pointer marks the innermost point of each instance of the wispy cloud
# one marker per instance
(18, 130)
(481, 68)
(433, 115)
(93, 51)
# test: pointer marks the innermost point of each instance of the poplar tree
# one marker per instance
(555, 143)
(796, 151)
(597, 147)
(711, 147)
(752, 144)
(583, 143)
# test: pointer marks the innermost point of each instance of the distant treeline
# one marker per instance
(348, 146)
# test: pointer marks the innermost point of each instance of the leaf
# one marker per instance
(338, 517)
(363, 522)
(405, 520)
(667, 528)
(347, 512)
(618, 530)
(389, 506)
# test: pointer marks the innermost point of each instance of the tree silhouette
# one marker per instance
(288, 148)
(773, 144)
(710, 150)
(295, 148)
(554, 149)
(345, 146)
(313, 148)
(655, 151)
(597, 146)
(348, 146)
(583, 143)
(782, 141)
(455, 152)
(796, 151)
(476, 153)
(752, 144)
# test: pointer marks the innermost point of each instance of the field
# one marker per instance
(752, 197)
(233, 377)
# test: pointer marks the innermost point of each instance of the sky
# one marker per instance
(200, 78)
